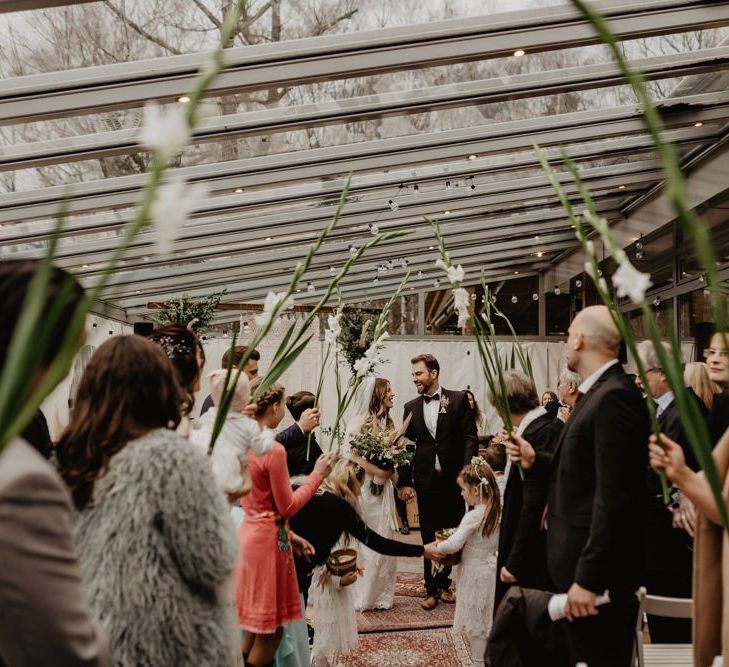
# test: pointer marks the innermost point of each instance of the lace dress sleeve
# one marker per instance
(469, 524)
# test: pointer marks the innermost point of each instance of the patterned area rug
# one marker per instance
(406, 614)
(411, 584)
(419, 648)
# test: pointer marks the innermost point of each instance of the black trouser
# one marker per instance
(441, 506)
(605, 640)
(402, 508)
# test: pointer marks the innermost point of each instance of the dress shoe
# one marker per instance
(405, 530)
(430, 603)
(447, 596)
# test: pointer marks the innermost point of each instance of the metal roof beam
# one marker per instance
(291, 63)
(257, 289)
(286, 119)
(372, 156)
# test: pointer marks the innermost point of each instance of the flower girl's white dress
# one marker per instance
(476, 574)
(332, 615)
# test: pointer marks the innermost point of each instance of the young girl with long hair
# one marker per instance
(477, 537)
(154, 542)
(267, 594)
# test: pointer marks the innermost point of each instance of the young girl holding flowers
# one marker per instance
(477, 538)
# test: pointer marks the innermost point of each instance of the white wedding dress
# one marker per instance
(375, 589)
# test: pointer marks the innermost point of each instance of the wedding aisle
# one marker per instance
(406, 635)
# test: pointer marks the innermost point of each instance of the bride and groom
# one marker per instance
(443, 428)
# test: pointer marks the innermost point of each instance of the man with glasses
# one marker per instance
(668, 548)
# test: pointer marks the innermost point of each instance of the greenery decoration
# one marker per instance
(196, 314)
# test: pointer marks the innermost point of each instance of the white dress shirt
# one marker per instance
(589, 382)
(430, 416)
(662, 402)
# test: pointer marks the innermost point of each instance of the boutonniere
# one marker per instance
(444, 403)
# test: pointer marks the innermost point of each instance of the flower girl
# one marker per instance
(332, 604)
(477, 538)
(238, 435)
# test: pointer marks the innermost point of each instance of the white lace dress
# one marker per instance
(332, 615)
(375, 589)
(476, 574)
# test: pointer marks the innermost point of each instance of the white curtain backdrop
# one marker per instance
(460, 369)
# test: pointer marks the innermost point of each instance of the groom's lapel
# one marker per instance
(441, 415)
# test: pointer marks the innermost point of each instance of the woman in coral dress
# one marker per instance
(267, 595)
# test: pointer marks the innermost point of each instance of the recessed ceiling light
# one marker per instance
(431, 247)
(183, 98)
(471, 157)
(621, 187)
(238, 190)
(540, 254)
(84, 266)
(519, 53)
(698, 123)
(268, 238)
(446, 212)
(516, 273)
(139, 291)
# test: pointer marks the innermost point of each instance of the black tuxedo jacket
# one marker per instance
(597, 492)
(294, 441)
(455, 442)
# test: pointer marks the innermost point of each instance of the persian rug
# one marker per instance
(415, 648)
(406, 614)
(411, 584)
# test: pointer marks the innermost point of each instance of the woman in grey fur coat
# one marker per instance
(155, 542)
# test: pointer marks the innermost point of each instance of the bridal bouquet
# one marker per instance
(387, 450)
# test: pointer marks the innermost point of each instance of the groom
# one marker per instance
(444, 431)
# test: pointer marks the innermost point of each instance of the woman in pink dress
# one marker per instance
(267, 595)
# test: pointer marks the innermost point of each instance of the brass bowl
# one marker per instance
(342, 561)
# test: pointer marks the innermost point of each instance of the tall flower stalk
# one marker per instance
(364, 366)
(484, 332)
(297, 336)
(20, 382)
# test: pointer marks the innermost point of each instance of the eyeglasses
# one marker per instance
(711, 352)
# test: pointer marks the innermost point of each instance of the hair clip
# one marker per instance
(478, 461)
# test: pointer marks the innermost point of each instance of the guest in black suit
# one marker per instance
(596, 501)
(669, 549)
(444, 431)
(301, 454)
(521, 554)
(250, 369)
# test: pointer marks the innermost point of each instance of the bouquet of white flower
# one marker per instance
(387, 450)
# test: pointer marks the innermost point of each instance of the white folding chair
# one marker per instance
(665, 655)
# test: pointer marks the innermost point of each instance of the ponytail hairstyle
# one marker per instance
(478, 473)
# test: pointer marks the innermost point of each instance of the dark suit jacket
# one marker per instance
(294, 441)
(669, 549)
(597, 490)
(521, 544)
(455, 442)
(719, 417)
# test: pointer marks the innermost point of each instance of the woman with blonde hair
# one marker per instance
(696, 376)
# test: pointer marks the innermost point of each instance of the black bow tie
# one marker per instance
(428, 399)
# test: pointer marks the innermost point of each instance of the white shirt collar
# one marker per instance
(529, 417)
(588, 382)
(663, 401)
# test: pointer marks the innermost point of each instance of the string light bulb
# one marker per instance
(514, 298)
(557, 290)
(310, 288)
(535, 297)
(352, 250)
(332, 270)
(374, 229)
(393, 205)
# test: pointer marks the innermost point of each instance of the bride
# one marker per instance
(371, 413)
